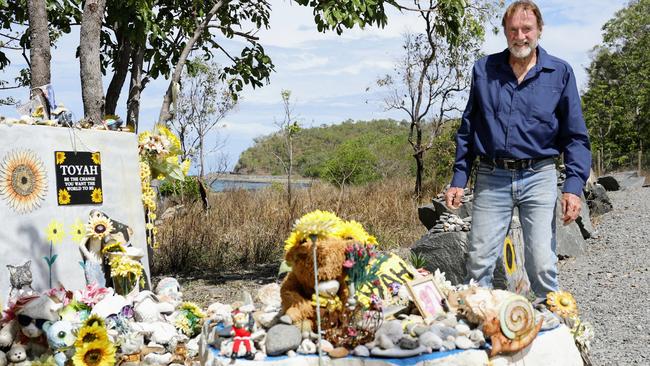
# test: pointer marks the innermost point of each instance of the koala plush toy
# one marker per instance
(60, 338)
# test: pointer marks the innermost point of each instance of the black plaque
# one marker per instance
(78, 178)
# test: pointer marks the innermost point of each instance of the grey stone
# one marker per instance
(629, 180)
(397, 352)
(448, 346)
(584, 220)
(384, 342)
(361, 351)
(420, 329)
(476, 335)
(598, 200)
(463, 342)
(282, 338)
(408, 342)
(286, 319)
(307, 347)
(570, 242)
(462, 329)
(431, 340)
(392, 329)
(609, 183)
(437, 330)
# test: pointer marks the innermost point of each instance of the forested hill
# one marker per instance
(362, 151)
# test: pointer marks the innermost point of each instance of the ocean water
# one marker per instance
(231, 185)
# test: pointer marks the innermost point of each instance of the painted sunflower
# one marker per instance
(96, 196)
(97, 353)
(98, 227)
(562, 303)
(96, 158)
(64, 197)
(23, 180)
(60, 157)
(54, 232)
(77, 231)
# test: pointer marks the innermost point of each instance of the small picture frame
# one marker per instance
(427, 297)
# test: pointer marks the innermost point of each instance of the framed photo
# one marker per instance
(427, 297)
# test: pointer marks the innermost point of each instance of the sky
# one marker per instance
(328, 75)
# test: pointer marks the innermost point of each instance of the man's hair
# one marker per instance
(525, 5)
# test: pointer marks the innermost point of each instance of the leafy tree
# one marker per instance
(434, 69)
(617, 99)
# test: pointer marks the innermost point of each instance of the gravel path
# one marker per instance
(612, 281)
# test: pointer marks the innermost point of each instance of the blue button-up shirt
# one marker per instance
(540, 117)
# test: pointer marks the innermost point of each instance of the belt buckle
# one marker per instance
(507, 162)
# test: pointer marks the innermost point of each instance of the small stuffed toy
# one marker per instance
(20, 278)
(8, 333)
(60, 337)
(241, 330)
(31, 318)
(17, 356)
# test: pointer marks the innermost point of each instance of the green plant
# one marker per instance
(417, 260)
(188, 188)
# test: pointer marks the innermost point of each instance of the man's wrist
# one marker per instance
(573, 185)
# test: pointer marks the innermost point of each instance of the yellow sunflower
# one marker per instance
(77, 231)
(321, 224)
(64, 197)
(113, 247)
(562, 303)
(54, 232)
(94, 320)
(89, 334)
(60, 157)
(96, 196)
(98, 353)
(96, 158)
(23, 180)
(355, 231)
(98, 227)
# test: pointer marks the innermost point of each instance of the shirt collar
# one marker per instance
(543, 59)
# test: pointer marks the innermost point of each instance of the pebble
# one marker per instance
(448, 346)
(286, 319)
(477, 336)
(326, 346)
(282, 338)
(361, 351)
(338, 352)
(397, 352)
(408, 342)
(307, 347)
(431, 340)
(462, 329)
(463, 342)
(450, 321)
(384, 342)
(419, 329)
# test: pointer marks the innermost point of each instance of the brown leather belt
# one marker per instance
(512, 164)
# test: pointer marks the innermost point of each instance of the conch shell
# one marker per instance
(508, 319)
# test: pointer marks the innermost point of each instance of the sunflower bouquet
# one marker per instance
(126, 273)
(92, 346)
(161, 150)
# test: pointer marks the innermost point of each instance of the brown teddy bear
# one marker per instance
(298, 287)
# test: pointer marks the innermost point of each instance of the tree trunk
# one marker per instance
(639, 173)
(201, 156)
(39, 43)
(290, 172)
(419, 162)
(165, 115)
(92, 91)
(119, 75)
(135, 89)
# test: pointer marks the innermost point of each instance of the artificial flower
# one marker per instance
(123, 266)
(60, 157)
(90, 334)
(98, 353)
(54, 232)
(319, 224)
(77, 231)
(96, 196)
(98, 227)
(64, 197)
(185, 166)
(291, 241)
(562, 303)
(354, 231)
(92, 294)
(114, 247)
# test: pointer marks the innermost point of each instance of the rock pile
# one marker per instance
(449, 222)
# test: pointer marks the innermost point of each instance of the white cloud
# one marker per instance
(305, 61)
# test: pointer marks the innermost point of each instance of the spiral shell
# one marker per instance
(517, 317)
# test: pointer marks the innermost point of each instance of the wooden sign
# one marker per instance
(78, 178)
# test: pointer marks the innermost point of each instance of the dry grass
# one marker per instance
(246, 228)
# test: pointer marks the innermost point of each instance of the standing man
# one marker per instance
(523, 112)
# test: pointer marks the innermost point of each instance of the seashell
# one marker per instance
(517, 317)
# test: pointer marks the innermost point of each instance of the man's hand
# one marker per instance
(453, 196)
(571, 205)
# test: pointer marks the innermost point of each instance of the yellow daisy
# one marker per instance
(96, 158)
(64, 197)
(98, 353)
(60, 157)
(96, 196)
(54, 232)
(98, 227)
(77, 231)
(291, 241)
(562, 303)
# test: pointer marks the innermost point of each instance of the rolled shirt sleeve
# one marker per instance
(573, 138)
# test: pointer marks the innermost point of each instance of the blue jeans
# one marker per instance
(534, 191)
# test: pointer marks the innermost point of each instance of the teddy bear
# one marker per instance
(60, 337)
(17, 356)
(298, 287)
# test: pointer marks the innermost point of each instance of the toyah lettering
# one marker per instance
(79, 169)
